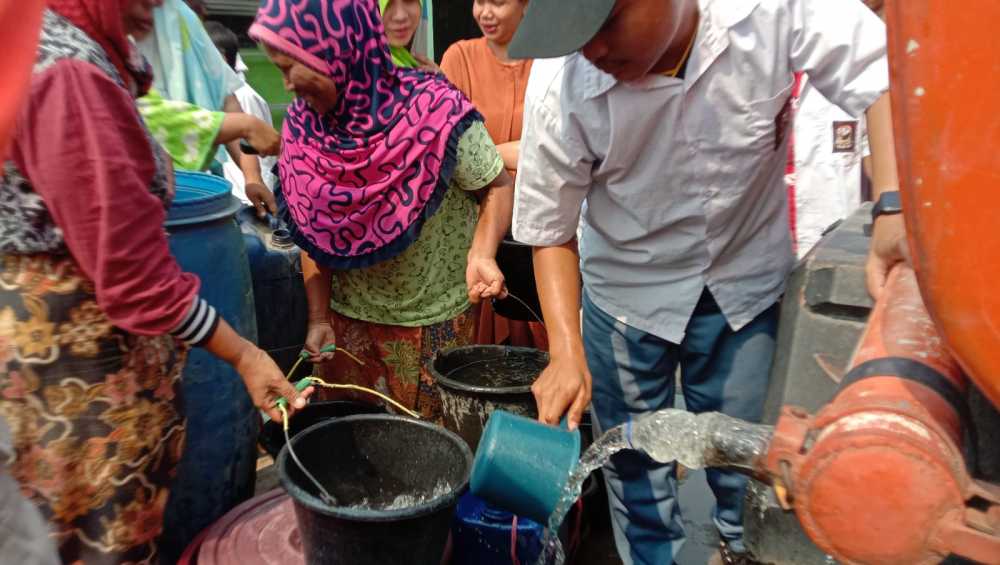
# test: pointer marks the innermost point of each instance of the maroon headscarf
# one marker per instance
(102, 20)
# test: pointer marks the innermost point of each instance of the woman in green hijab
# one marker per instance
(400, 19)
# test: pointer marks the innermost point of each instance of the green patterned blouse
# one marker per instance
(425, 284)
(186, 131)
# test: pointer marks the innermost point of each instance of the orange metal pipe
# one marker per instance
(900, 327)
(877, 477)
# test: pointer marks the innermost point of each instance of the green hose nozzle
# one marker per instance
(299, 386)
(328, 349)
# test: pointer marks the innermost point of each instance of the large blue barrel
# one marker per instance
(219, 462)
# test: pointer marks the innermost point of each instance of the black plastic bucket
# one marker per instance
(367, 462)
(272, 437)
(475, 380)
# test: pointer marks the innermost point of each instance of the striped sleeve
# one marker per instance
(199, 324)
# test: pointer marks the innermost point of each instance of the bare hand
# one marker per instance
(888, 247)
(426, 64)
(564, 385)
(266, 384)
(483, 279)
(318, 336)
(262, 199)
(262, 137)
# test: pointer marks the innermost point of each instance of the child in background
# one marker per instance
(255, 105)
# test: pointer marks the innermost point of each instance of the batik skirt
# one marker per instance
(95, 413)
(395, 360)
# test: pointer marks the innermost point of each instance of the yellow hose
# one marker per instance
(320, 382)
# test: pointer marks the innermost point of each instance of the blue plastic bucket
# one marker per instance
(217, 469)
(523, 465)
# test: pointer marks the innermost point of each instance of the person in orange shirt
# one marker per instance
(495, 84)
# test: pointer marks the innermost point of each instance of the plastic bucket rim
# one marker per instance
(513, 243)
(302, 497)
(272, 427)
(453, 385)
(228, 205)
(476, 479)
(231, 209)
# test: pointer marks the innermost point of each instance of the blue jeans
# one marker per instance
(634, 373)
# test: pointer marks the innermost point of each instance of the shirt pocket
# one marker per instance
(770, 119)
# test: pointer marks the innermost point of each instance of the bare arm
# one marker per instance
(260, 135)
(566, 383)
(888, 245)
(256, 191)
(260, 374)
(232, 106)
(318, 281)
(510, 152)
(483, 277)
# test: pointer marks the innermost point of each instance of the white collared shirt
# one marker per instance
(829, 146)
(683, 179)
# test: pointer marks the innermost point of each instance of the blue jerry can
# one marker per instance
(482, 535)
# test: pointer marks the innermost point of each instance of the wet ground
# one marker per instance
(696, 507)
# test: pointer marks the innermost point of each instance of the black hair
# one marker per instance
(198, 7)
(225, 40)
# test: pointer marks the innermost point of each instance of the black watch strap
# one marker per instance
(888, 203)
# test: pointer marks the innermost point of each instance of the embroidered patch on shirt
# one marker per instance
(845, 137)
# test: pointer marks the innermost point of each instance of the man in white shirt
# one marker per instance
(824, 183)
(671, 122)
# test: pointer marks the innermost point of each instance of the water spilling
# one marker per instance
(695, 440)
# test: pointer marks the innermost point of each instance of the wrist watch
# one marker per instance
(888, 203)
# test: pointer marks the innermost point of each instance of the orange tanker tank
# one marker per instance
(877, 477)
(946, 107)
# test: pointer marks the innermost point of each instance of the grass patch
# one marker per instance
(266, 79)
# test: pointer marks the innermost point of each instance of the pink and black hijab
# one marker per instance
(360, 181)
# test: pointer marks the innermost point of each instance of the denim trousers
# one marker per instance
(634, 373)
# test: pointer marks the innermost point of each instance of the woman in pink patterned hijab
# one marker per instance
(381, 171)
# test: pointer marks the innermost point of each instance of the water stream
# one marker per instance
(696, 441)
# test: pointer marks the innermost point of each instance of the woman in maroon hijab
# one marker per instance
(96, 317)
